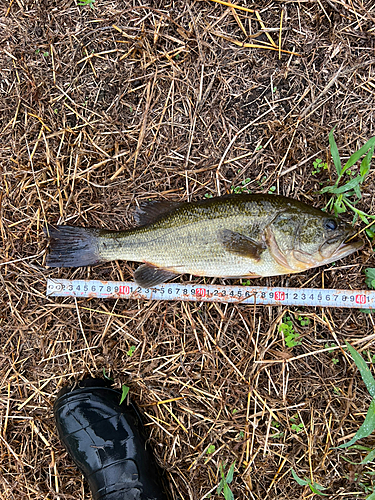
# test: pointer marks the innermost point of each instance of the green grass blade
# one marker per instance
(335, 152)
(370, 277)
(369, 457)
(319, 487)
(357, 191)
(366, 428)
(363, 216)
(125, 390)
(316, 488)
(346, 187)
(228, 495)
(327, 189)
(106, 376)
(229, 477)
(339, 206)
(365, 164)
(300, 481)
(365, 371)
(220, 487)
(358, 154)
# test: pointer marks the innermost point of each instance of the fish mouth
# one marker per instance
(344, 247)
(352, 243)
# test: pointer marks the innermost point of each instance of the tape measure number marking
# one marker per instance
(213, 293)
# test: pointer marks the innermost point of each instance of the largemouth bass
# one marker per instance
(232, 236)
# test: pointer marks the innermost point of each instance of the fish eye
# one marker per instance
(330, 224)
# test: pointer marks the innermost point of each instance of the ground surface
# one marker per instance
(104, 107)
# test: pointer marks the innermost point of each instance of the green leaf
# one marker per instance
(125, 390)
(327, 189)
(221, 486)
(317, 488)
(130, 352)
(347, 187)
(369, 457)
(363, 215)
(106, 376)
(335, 152)
(367, 311)
(371, 497)
(365, 371)
(339, 207)
(360, 447)
(366, 428)
(365, 164)
(229, 477)
(300, 481)
(210, 449)
(228, 495)
(357, 191)
(370, 277)
(358, 154)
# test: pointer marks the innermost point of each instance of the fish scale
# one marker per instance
(231, 236)
(192, 248)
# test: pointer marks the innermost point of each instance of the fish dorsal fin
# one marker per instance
(147, 275)
(242, 245)
(151, 211)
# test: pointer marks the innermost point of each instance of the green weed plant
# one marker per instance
(294, 425)
(314, 487)
(290, 336)
(318, 166)
(346, 192)
(370, 282)
(368, 425)
(242, 188)
(124, 393)
(225, 482)
(211, 448)
(87, 2)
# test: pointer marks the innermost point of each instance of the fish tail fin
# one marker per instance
(72, 246)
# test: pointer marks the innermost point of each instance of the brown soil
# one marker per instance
(104, 107)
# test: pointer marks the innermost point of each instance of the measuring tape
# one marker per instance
(259, 295)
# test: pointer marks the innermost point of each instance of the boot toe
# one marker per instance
(106, 440)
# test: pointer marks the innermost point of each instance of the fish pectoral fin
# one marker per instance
(242, 245)
(151, 211)
(148, 275)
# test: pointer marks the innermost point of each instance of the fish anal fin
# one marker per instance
(151, 211)
(242, 245)
(148, 275)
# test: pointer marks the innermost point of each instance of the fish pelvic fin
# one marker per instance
(242, 245)
(147, 275)
(72, 246)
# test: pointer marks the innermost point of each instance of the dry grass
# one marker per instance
(104, 107)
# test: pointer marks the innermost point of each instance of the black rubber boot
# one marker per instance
(106, 441)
